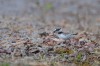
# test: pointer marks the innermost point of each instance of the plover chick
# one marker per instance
(65, 36)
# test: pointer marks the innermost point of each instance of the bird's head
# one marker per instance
(57, 30)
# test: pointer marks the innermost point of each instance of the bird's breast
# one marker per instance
(63, 36)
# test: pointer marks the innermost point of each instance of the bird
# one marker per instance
(58, 33)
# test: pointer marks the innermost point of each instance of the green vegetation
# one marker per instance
(4, 64)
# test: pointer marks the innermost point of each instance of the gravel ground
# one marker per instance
(27, 39)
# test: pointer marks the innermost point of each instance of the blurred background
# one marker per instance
(21, 22)
(45, 15)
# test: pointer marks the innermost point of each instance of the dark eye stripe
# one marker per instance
(58, 29)
(60, 32)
